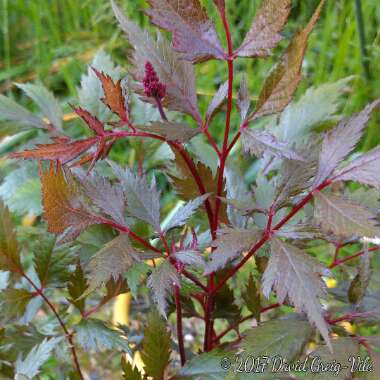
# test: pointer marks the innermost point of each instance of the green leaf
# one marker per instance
(344, 217)
(344, 348)
(21, 190)
(29, 367)
(76, 287)
(264, 34)
(229, 245)
(161, 283)
(91, 91)
(205, 366)
(251, 297)
(185, 212)
(95, 335)
(285, 338)
(46, 101)
(9, 253)
(51, 264)
(318, 105)
(134, 275)
(111, 262)
(14, 303)
(225, 306)
(156, 344)
(129, 372)
(173, 71)
(297, 275)
(340, 142)
(143, 200)
(171, 131)
(11, 111)
(359, 284)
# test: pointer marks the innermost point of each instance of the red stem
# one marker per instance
(356, 255)
(181, 343)
(209, 328)
(267, 234)
(68, 335)
(248, 317)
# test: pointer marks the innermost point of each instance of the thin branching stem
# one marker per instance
(68, 335)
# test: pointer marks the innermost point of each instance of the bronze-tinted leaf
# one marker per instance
(187, 188)
(9, 253)
(264, 33)
(340, 142)
(93, 122)
(175, 73)
(114, 97)
(61, 198)
(283, 81)
(194, 34)
(63, 151)
(295, 274)
(172, 131)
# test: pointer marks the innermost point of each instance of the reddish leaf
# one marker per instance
(96, 125)
(63, 150)
(114, 98)
(61, 198)
(279, 87)
(194, 34)
(264, 33)
(177, 74)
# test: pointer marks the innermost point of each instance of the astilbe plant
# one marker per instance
(227, 248)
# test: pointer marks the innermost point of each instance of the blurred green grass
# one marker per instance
(53, 41)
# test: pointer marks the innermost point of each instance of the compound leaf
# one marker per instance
(185, 212)
(283, 81)
(46, 101)
(111, 262)
(340, 142)
(229, 245)
(174, 72)
(363, 169)
(171, 131)
(251, 297)
(217, 101)
(61, 198)
(161, 283)
(194, 34)
(14, 303)
(344, 217)
(11, 111)
(264, 34)
(95, 335)
(108, 197)
(9, 253)
(115, 97)
(63, 150)
(30, 365)
(297, 275)
(260, 142)
(143, 200)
